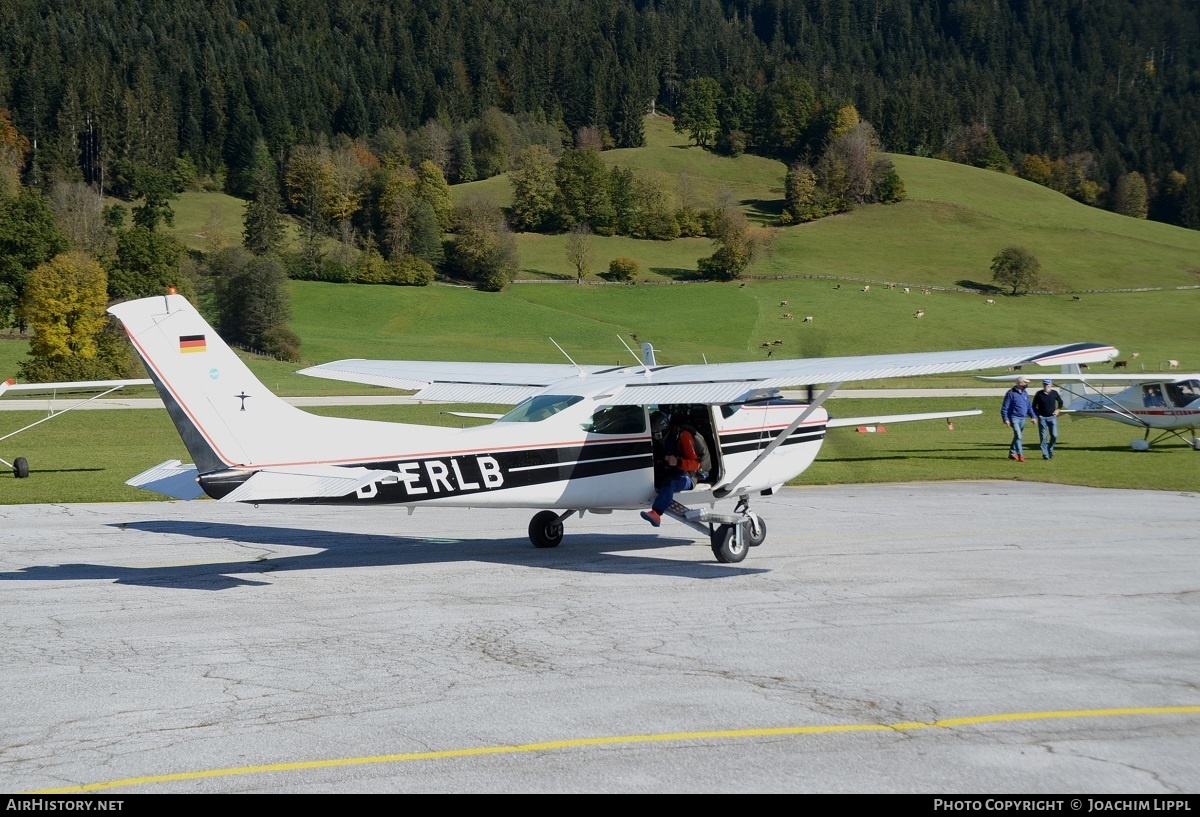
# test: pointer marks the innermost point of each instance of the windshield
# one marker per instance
(536, 409)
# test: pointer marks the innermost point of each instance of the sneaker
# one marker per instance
(1012, 456)
(1020, 458)
(653, 517)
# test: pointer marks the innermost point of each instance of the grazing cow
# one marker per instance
(920, 313)
(1014, 368)
(788, 315)
(784, 303)
(1074, 297)
(770, 353)
(867, 288)
(1172, 364)
(808, 318)
(906, 290)
(1120, 364)
(1083, 367)
(1135, 355)
(837, 286)
(766, 345)
(990, 302)
(776, 343)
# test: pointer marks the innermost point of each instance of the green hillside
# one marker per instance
(955, 219)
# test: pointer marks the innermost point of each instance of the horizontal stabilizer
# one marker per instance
(846, 422)
(306, 482)
(171, 478)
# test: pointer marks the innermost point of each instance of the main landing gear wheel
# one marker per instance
(545, 530)
(21, 468)
(756, 531)
(725, 544)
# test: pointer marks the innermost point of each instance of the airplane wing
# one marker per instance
(888, 419)
(78, 386)
(498, 383)
(714, 383)
(731, 382)
(1084, 377)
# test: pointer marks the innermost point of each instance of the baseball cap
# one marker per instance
(1047, 382)
(1022, 379)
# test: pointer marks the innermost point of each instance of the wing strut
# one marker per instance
(732, 487)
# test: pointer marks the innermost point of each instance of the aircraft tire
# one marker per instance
(21, 468)
(756, 539)
(545, 530)
(725, 545)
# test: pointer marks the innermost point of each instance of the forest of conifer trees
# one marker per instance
(103, 89)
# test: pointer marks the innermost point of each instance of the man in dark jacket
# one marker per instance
(1046, 405)
(682, 463)
(1013, 411)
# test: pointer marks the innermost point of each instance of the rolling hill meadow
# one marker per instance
(861, 277)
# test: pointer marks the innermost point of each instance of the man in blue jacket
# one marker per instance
(1014, 411)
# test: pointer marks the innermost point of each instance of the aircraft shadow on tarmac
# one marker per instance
(583, 552)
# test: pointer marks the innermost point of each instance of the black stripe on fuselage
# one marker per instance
(428, 478)
(742, 441)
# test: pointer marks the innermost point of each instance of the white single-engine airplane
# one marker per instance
(577, 441)
(1167, 404)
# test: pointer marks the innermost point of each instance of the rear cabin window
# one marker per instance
(617, 420)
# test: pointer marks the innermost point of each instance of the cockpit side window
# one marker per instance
(1152, 396)
(1183, 394)
(617, 420)
(538, 408)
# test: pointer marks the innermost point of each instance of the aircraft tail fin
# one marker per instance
(208, 391)
(1072, 390)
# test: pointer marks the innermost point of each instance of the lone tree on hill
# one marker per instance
(1016, 267)
(579, 250)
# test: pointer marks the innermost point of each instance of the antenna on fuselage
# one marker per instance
(568, 357)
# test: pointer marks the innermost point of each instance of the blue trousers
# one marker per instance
(1018, 429)
(666, 494)
(1048, 435)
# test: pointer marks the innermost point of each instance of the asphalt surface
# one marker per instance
(974, 637)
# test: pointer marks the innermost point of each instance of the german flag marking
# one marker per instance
(192, 343)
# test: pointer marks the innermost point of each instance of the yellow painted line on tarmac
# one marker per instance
(627, 739)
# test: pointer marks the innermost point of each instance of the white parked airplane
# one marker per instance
(577, 441)
(20, 465)
(1167, 404)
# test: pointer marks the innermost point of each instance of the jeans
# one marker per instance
(666, 494)
(1018, 428)
(1048, 435)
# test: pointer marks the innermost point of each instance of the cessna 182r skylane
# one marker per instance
(577, 441)
(1161, 402)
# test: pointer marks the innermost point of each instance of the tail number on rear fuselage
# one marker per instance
(426, 478)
